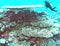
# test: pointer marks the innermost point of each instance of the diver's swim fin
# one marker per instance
(54, 7)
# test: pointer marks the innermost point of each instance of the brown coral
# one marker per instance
(22, 16)
(9, 13)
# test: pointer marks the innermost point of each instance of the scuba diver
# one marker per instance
(48, 5)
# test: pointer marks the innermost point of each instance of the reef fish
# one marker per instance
(48, 5)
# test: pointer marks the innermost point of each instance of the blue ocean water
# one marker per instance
(52, 14)
(55, 3)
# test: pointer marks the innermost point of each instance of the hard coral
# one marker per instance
(17, 17)
(6, 19)
(42, 13)
(9, 13)
(4, 35)
(30, 16)
(34, 40)
(3, 44)
(22, 16)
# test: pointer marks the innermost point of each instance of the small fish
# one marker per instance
(48, 5)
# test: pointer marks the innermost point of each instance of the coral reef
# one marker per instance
(49, 42)
(28, 28)
(31, 31)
